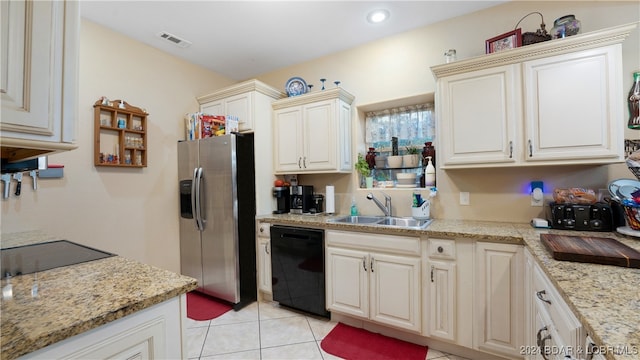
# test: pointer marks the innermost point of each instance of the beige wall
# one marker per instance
(131, 212)
(399, 67)
(134, 213)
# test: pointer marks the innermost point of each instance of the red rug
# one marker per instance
(202, 307)
(353, 343)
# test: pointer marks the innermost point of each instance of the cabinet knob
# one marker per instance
(261, 229)
(440, 249)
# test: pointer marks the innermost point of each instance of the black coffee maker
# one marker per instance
(282, 194)
(301, 199)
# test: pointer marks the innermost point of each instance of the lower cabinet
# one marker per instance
(442, 283)
(365, 281)
(153, 333)
(264, 258)
(499, 300)
(553, 331)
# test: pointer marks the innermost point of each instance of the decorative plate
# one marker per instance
(296, 86)
(623, 188)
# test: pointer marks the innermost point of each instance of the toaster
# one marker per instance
(594, 217)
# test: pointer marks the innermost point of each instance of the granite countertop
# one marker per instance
(77, 298)
(605, 299)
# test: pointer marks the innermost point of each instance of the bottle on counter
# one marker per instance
(354, 207)
(634, 102)
(429, 173)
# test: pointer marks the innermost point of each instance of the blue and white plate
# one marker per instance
(622, 189)
(296, 86)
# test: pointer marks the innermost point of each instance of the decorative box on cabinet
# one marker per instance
(375, 278)
(39, 112)
(243, 100)
(120, 134)
(550, 103)
(312, 133)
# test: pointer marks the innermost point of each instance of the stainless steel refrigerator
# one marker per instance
(216, 179)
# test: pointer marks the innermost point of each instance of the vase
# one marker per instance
(428, 150)
(410, 160)
(369, 182)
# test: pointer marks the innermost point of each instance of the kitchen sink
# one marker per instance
(356, 219)
(383, 221)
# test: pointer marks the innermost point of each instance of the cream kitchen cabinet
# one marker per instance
(312, 133)
(553, 330)
(375, 277)
(153, 333)
(264, 258)
(442, 288)
(250, 101)
(551, 103)
(39, 77)
(499, 298)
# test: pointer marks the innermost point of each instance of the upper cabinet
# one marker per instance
(39, 79)
(312, 133)
(556, 102)
(242, 100)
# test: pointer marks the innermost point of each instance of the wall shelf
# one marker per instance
(120, 136)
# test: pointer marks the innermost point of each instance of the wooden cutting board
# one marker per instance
(595, 250)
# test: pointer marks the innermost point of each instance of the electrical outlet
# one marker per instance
(537, 193)
(464, 198)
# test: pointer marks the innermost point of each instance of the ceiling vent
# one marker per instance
(174, 39)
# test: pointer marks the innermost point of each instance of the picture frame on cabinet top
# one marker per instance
(506, 41)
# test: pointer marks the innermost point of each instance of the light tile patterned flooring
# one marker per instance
(264, 331)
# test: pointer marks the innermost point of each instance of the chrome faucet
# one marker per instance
(386, 208)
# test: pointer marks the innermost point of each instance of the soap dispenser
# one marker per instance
(354, 207)
(429, 173)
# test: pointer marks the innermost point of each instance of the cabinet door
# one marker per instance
(213, 108)
(264, 265)
(573, 106)
(395, 291)
(39, 70)
(240, 106)
(499, 313)
(287, 140)
(347, 281)
(479, 112)
(442, 300)
(319, 136)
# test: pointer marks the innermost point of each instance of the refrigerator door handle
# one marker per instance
(195, 198)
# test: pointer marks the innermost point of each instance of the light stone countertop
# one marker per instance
(77, 298)
(605, 299)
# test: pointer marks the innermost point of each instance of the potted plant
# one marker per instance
(411, 158)
(363, 169)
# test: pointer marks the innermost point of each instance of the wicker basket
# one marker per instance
(632, 215)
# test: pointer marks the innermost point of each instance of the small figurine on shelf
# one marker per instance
(323, 80)
(371, 158)
(121, 106)
(104, 101)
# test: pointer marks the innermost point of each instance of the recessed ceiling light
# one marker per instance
(378, 16)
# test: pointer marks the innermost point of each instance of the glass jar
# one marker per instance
(565, 26)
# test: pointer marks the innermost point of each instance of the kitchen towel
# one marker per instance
(329, 200)
(353, 343)
(202, 307)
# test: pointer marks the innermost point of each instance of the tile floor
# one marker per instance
(264, 331)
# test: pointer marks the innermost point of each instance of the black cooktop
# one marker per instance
(29, 259)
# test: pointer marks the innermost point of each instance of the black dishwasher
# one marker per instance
(297, 266)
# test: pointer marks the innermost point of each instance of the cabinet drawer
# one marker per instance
(264, 230)
(404, 245)
(442, 248)
(549, 300)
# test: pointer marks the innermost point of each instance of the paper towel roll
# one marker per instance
(329, 200)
